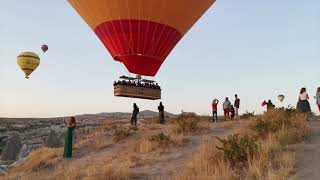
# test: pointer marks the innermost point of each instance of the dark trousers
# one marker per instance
(134, 119)
(161, 117)
(214, 116)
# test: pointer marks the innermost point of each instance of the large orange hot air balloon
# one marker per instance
(141, 33)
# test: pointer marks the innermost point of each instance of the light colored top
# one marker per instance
(318, 98)
(226, 104)
(303, 96)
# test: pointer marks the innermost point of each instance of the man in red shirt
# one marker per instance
(215, 110)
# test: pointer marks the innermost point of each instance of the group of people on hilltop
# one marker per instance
(71, 123)
(269, 104)
(137, 84)
(135, 113)
(229, 111)
(303, 104)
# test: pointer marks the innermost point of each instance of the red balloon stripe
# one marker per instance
(141, 45)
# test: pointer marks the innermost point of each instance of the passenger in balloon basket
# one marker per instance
(232, 112)
(135, 113)
(70, 124)
(317, 97)
(226, 108)
(161, 113)
(214, 105)
(303, 103)
(236, 106)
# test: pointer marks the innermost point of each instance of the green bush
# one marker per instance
(247, 115)
(133, 128)
(237, 149)
(273, 121)
(121, 133)
(161, 137)
(261, 127)
(188, 124)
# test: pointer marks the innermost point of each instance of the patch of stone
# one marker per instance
(53, 140)
(12, 148)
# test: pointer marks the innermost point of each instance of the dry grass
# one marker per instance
(102, 129)
(227, 124)
(102, 144)
(44, 158)
(273, 160)
(123, 133)
(146, 145)
(208, 163)
(186, 124)
(112, 168)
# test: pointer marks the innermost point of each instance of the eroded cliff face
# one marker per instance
(19, 137)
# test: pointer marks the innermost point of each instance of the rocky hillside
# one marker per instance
(33, 133)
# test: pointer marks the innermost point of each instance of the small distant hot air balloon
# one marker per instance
(28, 62)
(44, 48)
(281, 97)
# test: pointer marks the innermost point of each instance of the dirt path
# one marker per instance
(308, 155)
(161, 166)
(173, 161)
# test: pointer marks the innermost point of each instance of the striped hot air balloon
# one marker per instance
(141, 33)
(281, 97)
(28, 62)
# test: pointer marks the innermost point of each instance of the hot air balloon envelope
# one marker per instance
(141, 33)
(44, 48)
(281, 97)
(28, 62)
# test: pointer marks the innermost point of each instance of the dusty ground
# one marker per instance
(308, 155)
(170, 162)
(154, 165)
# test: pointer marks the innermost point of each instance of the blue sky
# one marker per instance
(257, 49)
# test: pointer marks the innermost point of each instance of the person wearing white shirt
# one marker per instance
(303, 103)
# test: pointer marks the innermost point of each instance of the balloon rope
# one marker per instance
(124, 35)
(147, 31)
(104, 30)
(131, 41)
(139, 28)
(172, 35)
(165, 20)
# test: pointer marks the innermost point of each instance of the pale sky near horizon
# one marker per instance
(257, 49)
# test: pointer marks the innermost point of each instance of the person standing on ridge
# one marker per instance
(70, 124)
(318, 98)
(232, 112)
(236, 106)
(303, 103)
(134, 114)
(226, 108)
(215, 103)
(161, 113)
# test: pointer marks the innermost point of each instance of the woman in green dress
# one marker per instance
(70, 124)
